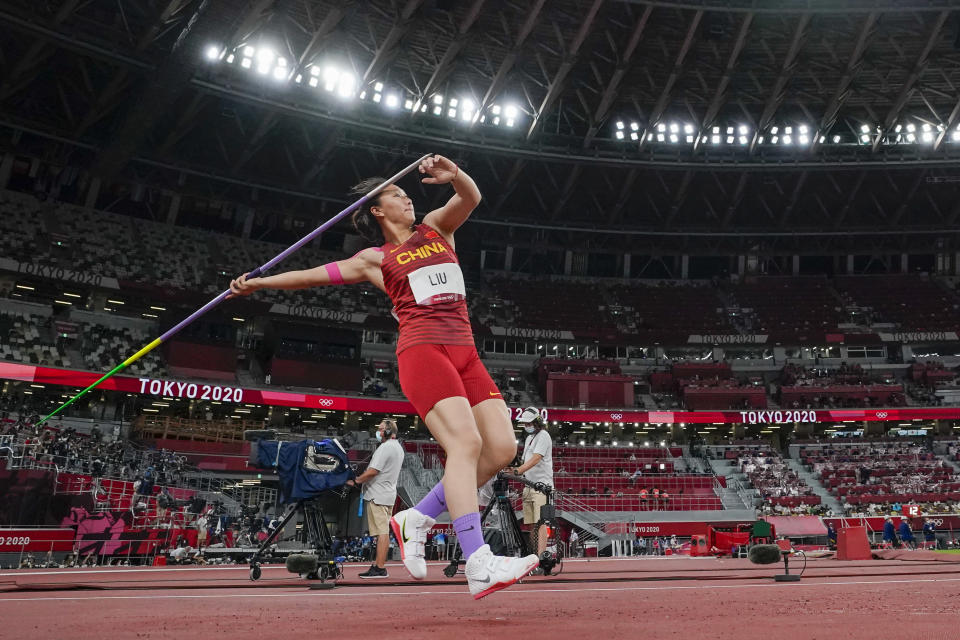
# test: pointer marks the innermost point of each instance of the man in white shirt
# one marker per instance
(379, 482)
(537, 467)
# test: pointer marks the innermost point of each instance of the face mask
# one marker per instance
(529, 428)
(379, 436)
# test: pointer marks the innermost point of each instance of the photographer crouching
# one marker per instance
(537, 467)
(379, 482)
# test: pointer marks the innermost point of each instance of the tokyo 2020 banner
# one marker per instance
(209, 391)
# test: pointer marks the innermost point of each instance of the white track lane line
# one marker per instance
(462, 592)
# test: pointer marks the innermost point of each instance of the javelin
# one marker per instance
(253, 274)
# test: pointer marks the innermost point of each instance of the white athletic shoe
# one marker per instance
(410, 528)
(487, 573)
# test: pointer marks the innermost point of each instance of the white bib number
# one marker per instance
(437, 283)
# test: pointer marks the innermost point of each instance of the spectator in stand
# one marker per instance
(906, 535)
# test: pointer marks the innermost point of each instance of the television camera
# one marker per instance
(309, 471)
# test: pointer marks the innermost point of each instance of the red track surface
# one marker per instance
(621, 598)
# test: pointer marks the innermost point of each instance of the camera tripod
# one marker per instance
(315, 533)
(514, 542)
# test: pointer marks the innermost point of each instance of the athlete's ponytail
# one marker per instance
(363, 219)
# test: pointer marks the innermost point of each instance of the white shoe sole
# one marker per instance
(503, 585)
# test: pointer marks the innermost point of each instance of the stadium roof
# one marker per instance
(680, 122)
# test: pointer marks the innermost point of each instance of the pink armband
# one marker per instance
(334, 272)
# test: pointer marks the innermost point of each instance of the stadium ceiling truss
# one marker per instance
(693, 124)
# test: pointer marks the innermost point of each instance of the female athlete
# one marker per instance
(440, 371)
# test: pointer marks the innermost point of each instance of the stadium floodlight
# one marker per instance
(743, 140)
(716, 130)
(773, 139)
(864, 128)
(496, 110)
(346, 85)
(230, 59)
(836, 139)
(378, 86)
(619, 124)
(496, 120)
(787, 139)
(634, 126)
(279, 73)
(582, 443)
(248, 51)
(635, 136)
(911, 137)
(509, 122)
(804, 139)
(928, 136)
(955, 136)
(788, 130)
(313, 82)
(744, 129)
(673, 138)
(454, 102)
(689, 139)
(925, 127)
(688, 129)
(408, 104)
(451, 113)
(660, 137)
(646, 443)
(729, 139)
(438, 99)
(598, 443)
(511, 111)
(674, 127)
(865, 139)
(774, 129)
(437, 110)
(715, 139)
(377, 97)
(729, 131)
(246, 63)
(614, 443)
(392, 100)
(213, 53)
(802, 128)
(911, 128)
(619, 135)
(661, 127)
(466, 109)
(314, 71)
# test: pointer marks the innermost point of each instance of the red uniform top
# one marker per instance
(423, 279)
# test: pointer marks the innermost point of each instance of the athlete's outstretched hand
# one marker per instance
(243, 287)
(441, 170)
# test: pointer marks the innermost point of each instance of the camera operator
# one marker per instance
(537, 467)
(380, 492)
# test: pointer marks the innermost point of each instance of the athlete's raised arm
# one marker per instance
(450, 216)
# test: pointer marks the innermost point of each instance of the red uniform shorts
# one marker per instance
(431, 372)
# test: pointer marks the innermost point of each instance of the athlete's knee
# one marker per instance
(502, 452)
(467, 444)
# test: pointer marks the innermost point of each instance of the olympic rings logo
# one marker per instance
(616, 416)
(937, 522)
(326, 402)
(881, 414)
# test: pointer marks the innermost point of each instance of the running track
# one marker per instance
(621, 598)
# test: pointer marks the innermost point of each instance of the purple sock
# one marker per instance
(468, 533)
(434, 503)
